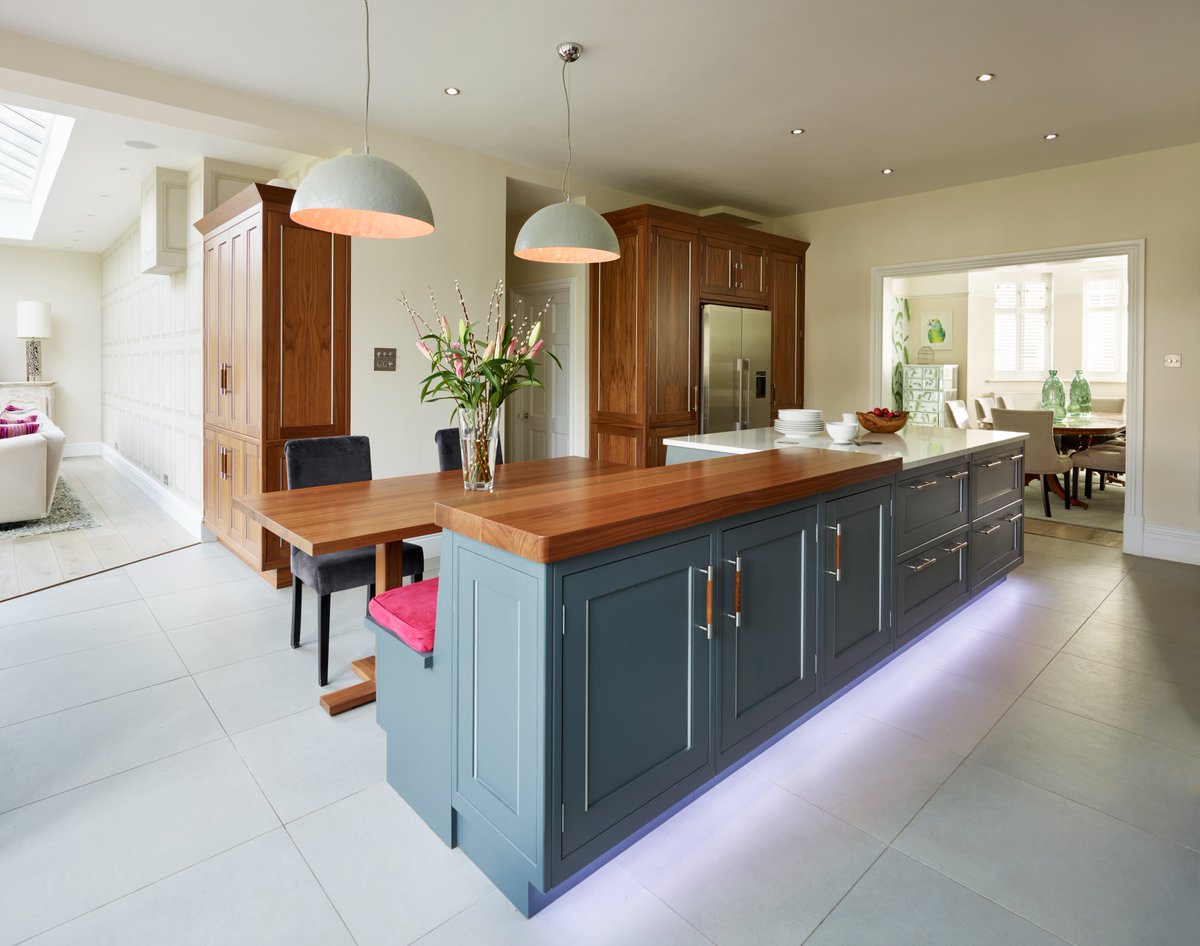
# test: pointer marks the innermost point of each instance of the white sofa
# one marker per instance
(29, 472)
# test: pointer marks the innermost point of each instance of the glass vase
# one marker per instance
(478, 434)
(1081, 395)
(1054, 398)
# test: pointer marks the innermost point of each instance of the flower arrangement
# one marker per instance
(478, 371)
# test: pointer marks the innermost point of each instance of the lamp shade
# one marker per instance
(362, 195)
(33, 320)
(567, 233)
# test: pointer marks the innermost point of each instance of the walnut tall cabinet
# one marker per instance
(644, 354)
(276, 357)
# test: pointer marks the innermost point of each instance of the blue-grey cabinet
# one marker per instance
(856, 577)
(768, 625)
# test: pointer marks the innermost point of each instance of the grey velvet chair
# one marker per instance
(323, 461)
(449, 449)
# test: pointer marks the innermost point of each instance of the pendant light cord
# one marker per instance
(367, 102)
(567, 96)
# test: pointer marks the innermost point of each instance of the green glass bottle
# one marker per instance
(1081, 395)
(1054, 398)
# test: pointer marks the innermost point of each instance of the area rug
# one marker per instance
(1106, 509)
(67, 512)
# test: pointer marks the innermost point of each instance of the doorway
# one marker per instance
(539, 422)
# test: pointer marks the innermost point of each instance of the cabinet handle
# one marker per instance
(956, 547)
(990, 464)
(708, 596)
(924, 484)
(922, 565)
(1014, 517)
(837, 553)
(737, 590)
(990, 529)
(1016, 457)
(957, 475)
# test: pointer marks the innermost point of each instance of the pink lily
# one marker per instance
(424, 350)
(458, 368)
(512, 348)
(536, 348)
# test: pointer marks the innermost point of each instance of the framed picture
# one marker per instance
(937, 329)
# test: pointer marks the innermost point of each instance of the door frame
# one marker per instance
(577, 389)
(1135, 253)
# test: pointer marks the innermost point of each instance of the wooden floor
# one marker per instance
(132, 527)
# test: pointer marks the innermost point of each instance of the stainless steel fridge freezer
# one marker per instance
(735, 368)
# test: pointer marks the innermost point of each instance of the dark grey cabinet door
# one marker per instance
(635, 685)
(768, 634)
(856, 579)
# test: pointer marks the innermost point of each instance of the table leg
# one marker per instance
(389, 573)
(1057, 489)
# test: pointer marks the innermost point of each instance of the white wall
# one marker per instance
(70, 282)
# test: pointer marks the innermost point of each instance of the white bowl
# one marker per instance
(842, 433)
(799, 413)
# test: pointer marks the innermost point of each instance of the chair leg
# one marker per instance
(1067, 491)
(370, 595)
(1087, 484)
(1046, 494)
(323, 641)
(418, 576)
(1103, 476)
(1074, 474)
(297, 600)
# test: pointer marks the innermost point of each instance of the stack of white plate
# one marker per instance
(800, 422)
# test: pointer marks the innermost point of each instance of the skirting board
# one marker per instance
(83, 450)
(1174, 545)
(183, 513)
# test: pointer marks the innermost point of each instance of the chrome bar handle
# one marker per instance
(989, 531)
(708, 598)
(737, 368)
(957, 475)
(989, 465)
(737, 590)
(746, 397)
(837, 552)
(924, 484)
(924, 564)
(956, 547)
(1017, 456)
(1014, 517)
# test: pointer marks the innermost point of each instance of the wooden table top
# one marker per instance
(1098, 423)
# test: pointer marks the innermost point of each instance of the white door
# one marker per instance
(538, 420)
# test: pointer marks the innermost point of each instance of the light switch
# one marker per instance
(1173, 361)
(385, 359)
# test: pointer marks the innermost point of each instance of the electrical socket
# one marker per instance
(1173, 360)
(385, 359)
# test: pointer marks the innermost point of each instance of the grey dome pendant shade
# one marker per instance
(567, 232)
(362, 195)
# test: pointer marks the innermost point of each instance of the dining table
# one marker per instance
(383, 513)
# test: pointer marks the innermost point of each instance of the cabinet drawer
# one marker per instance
(997, 543)
(997, 480)
(931, 504)
(930, 582)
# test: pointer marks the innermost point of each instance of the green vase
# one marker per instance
(1081, 395)
(1054, 398)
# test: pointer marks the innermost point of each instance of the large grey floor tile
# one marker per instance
(1051, 593)
(741, 863)
(59, 683)
(83, 594)
(167, 574)
(1021, 621)
(310, 759)
(1081, 551)
(390, 877)
(1135, 608)
(1081, 874)
(181, 608)
(1093, 574)
(67, 633)
(79, 850)
(260, 893)
(871, 775)
(1138, 651)
(1126, 776)
(1161, 711)
(609, 907)
(998, 662)
(61, 751)
(1176, 571)
(1181, 584)
(903, 903)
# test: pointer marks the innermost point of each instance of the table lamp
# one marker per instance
(33, 324)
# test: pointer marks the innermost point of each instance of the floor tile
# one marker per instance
(59, 683)
(868, 774)
(83, 594)
(1080, 874)
(79, 850)
(1093, 574)
(609, 907)
(1138, 651)
(266, 894)
(1081, 551)
(1135, 608)
(1174, 570)
(1051, 593)
(68, 633)
(740, 865)
(1181, 585)
(195, 606)
(1155, 709)
(167, 574)
(55, 753)
(311, 759)
(1021, 621)
(391, 878)
(1127, 776)
(995, 661)
(900, 902)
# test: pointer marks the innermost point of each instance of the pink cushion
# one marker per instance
(19, 417)
(17, 430)
(409, 612)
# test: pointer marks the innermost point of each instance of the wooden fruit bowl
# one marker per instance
(882, 425)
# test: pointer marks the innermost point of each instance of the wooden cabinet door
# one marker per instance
(232, 330)
(787, 342)
(218, 492)
(618, 347)
(718, 265)
(635, 686)
(674, 322)
(752, 280)
(768, 632)
(656, 453)
(856, 580)
(243, 473)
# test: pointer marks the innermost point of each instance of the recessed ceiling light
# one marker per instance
(797, 131)
(886, 171)
(141, 145)
(985, 77)
(1051, 136)
(452, 91)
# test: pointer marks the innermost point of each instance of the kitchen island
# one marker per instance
(607, 648)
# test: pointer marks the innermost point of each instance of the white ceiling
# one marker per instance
(691, 101)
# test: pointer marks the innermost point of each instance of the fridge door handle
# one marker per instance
(745, 394)
(741, 405)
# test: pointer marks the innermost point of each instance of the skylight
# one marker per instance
(32, 145)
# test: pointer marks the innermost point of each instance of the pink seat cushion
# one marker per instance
(409, 612)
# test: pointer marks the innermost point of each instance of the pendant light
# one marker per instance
(567, 232)
(362, 195)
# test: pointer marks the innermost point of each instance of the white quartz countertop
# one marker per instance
(915, 445)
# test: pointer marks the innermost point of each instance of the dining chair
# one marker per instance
(1109, 405)
(1104, 459)
(449, 449)
(324, 461)
(983, 410)
(1041, 457)
(957, 412)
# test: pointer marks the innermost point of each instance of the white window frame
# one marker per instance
(1031, 373)
(1122, 312)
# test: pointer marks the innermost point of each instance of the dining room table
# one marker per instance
(383, 513)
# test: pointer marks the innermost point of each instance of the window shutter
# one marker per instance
(1006, 341)
(1103, 342)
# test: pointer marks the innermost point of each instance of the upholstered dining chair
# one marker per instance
(1109, 405)
(449, 449)
(1041, 457)
(957, 412)
(324, 461)
(983, 410)
(1104, 459)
